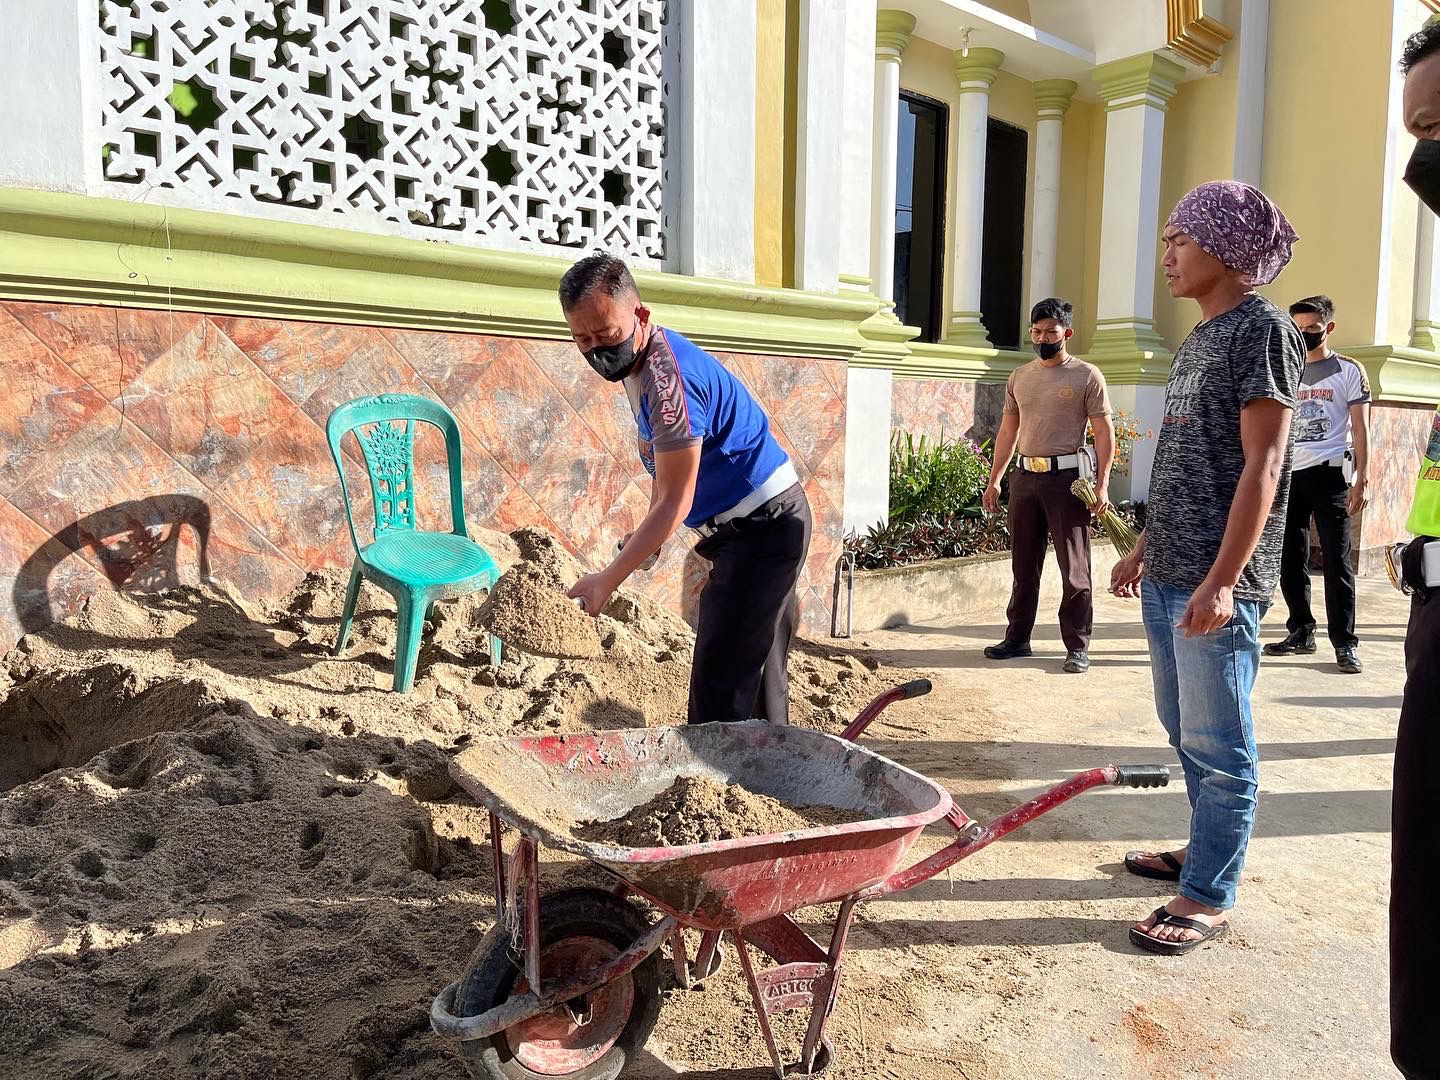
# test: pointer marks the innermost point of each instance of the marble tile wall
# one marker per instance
(133, 443)
(1398, 436)
(949, 407)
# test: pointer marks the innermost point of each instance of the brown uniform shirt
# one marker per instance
(1054, 403)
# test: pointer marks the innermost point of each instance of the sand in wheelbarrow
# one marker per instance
(698, 810)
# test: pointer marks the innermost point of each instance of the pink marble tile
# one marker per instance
(206, 404)
(517, 414)
(837, 374)
(454, 365)
(830, 477)
(286, 487)
(579, 486)
(41, 580)
(301, 357)
(796, 394)
(371, 367)
(107, 347)
(118, 483)
(42, 401)
(567, 371)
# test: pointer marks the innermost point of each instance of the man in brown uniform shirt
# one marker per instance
(1047, 403)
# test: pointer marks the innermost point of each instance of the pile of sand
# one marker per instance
(225, 853)
(697, 810)
(528, 610)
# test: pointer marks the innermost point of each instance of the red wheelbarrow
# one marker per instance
(572, 988)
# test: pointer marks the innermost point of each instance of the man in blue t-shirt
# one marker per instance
(715, 467)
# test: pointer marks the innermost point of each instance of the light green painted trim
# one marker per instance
(1054, 96)
(967, 331)
(1400, 373)
(977, 65)
(943, 360)
(1148, 79)
(862, 280)
(78, 249)
(892, 33)
(1425, 336)
(887, 340)
(1127, 353)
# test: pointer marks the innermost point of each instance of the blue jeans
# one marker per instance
(1202, 693)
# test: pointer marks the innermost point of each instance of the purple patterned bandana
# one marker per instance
(1239, 225)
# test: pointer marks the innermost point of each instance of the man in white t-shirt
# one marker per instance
(1328, 481)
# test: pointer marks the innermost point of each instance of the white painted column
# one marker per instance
(892, 34)
(1136, 91)
(1254, 48)
(869, 380)
(716, 139)
(975, 70)
(1052, 100)
(857, 145)
(49, 126)
(1425, 333)
(820, 104)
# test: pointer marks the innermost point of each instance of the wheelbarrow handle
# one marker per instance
(975, 836)
(912, 689)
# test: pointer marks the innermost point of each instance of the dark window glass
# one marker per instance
(920, 215)
(1003, 250)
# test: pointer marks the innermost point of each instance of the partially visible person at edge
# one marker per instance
(1047, 405)
(1415, 815)
(1208, 561)
(714, 466)
(1329, 479)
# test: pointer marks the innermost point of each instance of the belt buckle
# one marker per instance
(1037, 464)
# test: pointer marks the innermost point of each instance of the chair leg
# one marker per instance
(409, 629)
(495, 648)
(352, 597)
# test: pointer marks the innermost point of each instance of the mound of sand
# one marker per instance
(226, 853)
(696, 810)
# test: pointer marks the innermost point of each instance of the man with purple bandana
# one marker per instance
(1209, 559)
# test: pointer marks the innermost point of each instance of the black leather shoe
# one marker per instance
(1008, 650)
(1301, 641)
(1349, 660)
(1077, 662)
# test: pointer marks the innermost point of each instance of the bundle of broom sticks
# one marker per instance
(1121, 534)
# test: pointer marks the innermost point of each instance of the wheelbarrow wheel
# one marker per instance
(593, 1039)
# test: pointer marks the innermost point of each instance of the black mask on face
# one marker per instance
(613, 362)
(1313, 339)
(1048, 350)
(1423, 173)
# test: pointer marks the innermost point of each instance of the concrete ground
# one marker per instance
(1017, 966)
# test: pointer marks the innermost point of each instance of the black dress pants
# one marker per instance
(1320, 491)
(748, 613)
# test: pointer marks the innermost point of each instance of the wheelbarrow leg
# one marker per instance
(761, 1010)
(823, 1007)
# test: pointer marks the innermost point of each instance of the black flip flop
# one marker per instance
(1177, 948)
(1139, 869)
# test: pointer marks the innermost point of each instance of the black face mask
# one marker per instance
(1313, 339)
(1048, 350)
(613, 362)
(1423, 173)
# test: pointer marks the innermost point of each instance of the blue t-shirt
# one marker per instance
(682, 396)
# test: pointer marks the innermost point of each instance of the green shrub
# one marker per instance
(936, 479)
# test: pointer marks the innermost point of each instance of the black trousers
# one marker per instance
(1321, 491)
(1415, 851)
(1043, 508)
(749, 613)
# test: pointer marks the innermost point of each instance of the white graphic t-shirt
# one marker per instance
(1322, 414)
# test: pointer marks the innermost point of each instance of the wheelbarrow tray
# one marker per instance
(546, 785)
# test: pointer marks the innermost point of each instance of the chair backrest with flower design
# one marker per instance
(384, 426)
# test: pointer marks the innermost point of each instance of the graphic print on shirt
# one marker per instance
(1433, 450)
(1180, 393)
(1312, 423)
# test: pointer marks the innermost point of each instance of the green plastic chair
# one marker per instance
(414, 566)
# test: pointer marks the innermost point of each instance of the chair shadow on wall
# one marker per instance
(141, 547)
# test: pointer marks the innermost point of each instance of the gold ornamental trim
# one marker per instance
(1196, 36)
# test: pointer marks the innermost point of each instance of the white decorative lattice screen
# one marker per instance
(533, 123)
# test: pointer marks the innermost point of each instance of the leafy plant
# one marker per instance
(935, 479)
(1127, 433)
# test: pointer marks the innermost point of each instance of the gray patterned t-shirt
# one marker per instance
(1251, 351)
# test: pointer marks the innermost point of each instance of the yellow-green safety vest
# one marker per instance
(1425, 510)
